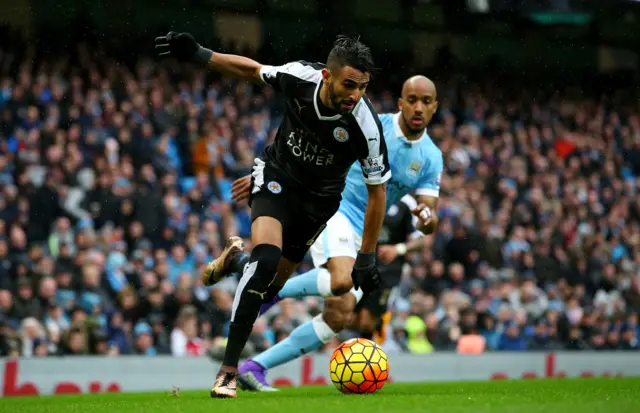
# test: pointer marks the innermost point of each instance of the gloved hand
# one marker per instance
(183, 47)
(365, 274)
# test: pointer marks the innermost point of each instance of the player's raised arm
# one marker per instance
(427, 195)
(184, 47)
(285, 78)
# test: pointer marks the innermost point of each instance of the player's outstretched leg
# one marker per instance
(257, 276)
(304, 339)
(316, 282)
(308, 337)
(337, 249)
(334, 281)
(223, 266)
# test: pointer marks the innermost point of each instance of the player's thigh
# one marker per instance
(338, 239)
(266, 230)
(269, 206)
(340, 269)
(304, 225)
(338, 311)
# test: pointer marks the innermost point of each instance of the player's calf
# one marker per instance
(285, 269)
(258, 274)
(304, 339)
(252, 289)
(338, 311)
(256, 278)
(367, 324)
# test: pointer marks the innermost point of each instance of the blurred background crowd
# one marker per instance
(114, 192)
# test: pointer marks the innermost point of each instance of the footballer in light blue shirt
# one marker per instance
(416, 167)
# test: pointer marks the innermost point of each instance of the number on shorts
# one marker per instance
(316, 235)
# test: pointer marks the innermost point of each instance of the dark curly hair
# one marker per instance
(350, 51)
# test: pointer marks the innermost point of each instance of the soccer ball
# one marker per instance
(358, 366)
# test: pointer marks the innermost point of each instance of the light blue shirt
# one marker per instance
(415, 166)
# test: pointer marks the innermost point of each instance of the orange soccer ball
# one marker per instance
(358, 366)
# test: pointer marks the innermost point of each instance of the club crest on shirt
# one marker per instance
(341, 134)
(414, 168)
(274, 187)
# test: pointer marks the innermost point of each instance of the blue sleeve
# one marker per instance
(429, 184)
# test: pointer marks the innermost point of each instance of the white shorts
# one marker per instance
(338, 239)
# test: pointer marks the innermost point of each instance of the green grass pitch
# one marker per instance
(606, 395)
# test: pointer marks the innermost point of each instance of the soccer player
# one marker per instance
(296, 186)
(416, 165)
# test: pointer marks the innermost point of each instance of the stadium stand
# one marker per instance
(114, 192)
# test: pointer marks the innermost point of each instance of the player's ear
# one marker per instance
(400, 104)
(326, 76)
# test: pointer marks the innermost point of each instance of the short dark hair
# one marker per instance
(350, 51)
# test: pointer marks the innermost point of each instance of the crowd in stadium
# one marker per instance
(115, 191)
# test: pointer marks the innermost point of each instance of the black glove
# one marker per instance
(365, 274)
(183, 47)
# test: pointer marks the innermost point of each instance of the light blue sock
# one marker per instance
(316, 282)
(306, 338)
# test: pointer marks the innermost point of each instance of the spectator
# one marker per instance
(33, 335)
(529, 298)
(116, 333)
(56, 322)
(75, 342)
(542, 338)
(25, 304)
(511, 339)
(417, 342)
(184, 337)
(143, 335)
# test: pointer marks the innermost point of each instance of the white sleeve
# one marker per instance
(286, 77)
(375, 166)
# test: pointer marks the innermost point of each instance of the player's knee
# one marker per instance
(337, 311)
(341, 281)
(262, 267)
